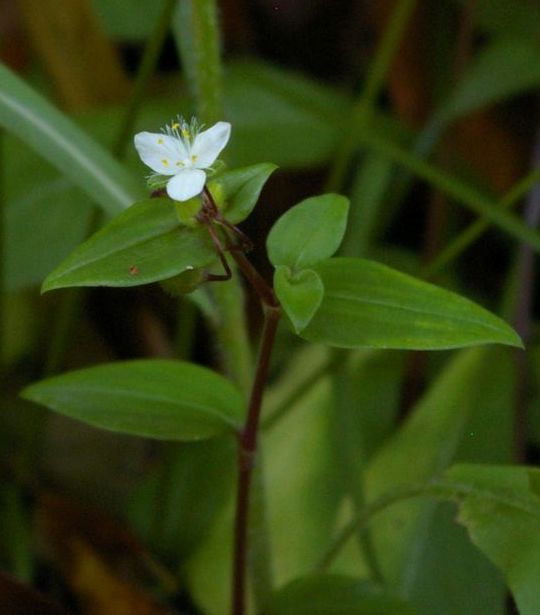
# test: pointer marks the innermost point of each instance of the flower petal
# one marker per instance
(186, 184)
(164, 154)
(208, 144)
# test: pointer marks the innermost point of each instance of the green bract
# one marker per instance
(238, 191)
(309, 232)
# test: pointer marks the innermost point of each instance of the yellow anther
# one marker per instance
(185, 133)
(165, 162)
(193, 158)
(175, 125)
(160, 141)
(179, 164)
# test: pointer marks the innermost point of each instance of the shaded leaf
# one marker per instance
(18, 599)
(453, 576)
(426, 444)
(167, 400)
(172, 512)
(44, 226)
(326, 594)
(508, 18)
(303, 490)
(281, 115)
(503, 69)
(500, 507)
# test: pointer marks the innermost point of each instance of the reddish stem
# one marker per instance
(246, 460)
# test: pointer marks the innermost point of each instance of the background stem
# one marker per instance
(386, 50)
(146, 70)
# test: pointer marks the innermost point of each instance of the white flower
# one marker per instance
(185, 153)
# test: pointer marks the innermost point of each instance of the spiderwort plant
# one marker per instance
(184, 153)
(327, 299)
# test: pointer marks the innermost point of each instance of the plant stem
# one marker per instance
(467, 237)
(248, 441)
(246, 459)
(146, 70)
(524, 270)
(378, 70)
(460, 191)
(328, 367)
(3, 292)
(71, 302)
(363, 518)
(197, 36)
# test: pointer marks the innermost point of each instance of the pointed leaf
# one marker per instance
(166, 400)
(240, 189)
(368, 304)
(144, 244)
(300, 294)
(309, 232)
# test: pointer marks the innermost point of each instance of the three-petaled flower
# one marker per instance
(183, 152)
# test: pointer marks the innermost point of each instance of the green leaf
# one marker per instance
(432, 436)
(240, 189)
(308, 232)
(184, 508)
(53, 136)
(166, 400)
(144, 244)
(328, 594)
(303, 490)
(128, 20)
(507, 18)
(503, 69)
(368, 304)
(43, 227)
(452, 575)
(501, 511)
(367, 215)
(282, 116)
(300, 294)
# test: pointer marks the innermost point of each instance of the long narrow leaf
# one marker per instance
(31, 118)
(463, 194)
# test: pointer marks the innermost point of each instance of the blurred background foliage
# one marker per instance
(445, 135)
